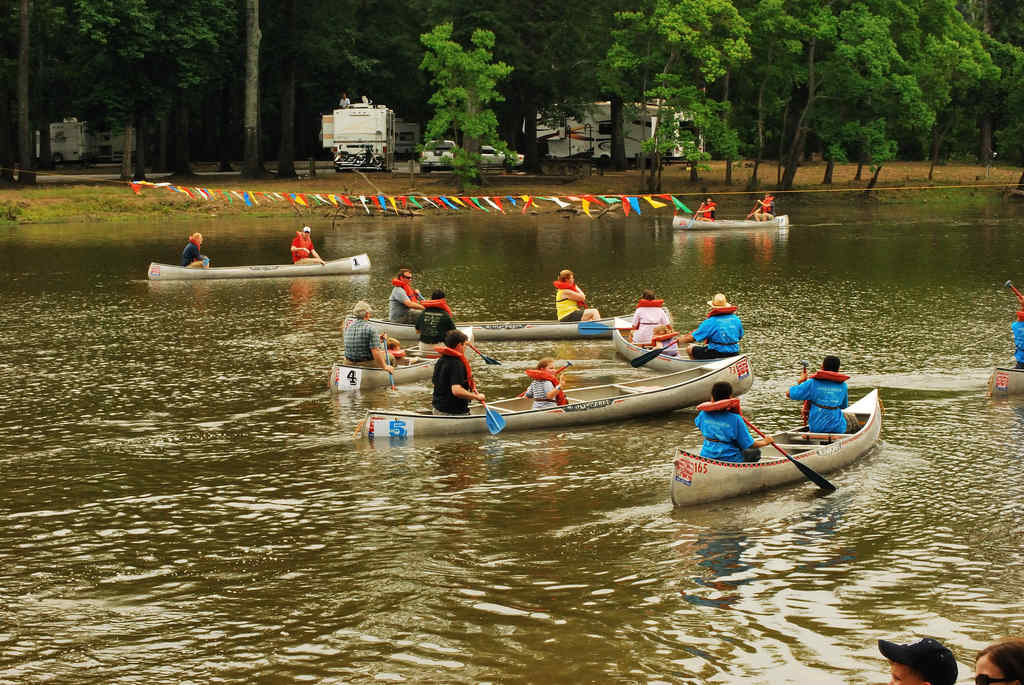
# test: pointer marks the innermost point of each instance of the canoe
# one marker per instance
(696, 480)
(508, 330)
(347, 377)
(663, 362)
(1005, 381)
(682, 222)
(348, 265)
(594, 404)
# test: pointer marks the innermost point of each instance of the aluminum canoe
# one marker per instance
(508, 330)
(348, 377)
(594, 404)
(347, 265)
(663, 362)
(1005, 381)
(696, 480)
(682, 222)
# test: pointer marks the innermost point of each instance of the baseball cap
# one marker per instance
(928, 657)
(306, 229)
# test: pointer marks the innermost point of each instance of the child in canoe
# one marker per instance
(666, 338)
(398, 356)
(546, 388)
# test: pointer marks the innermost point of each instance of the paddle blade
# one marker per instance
(811, 474)
(644, 358)
(1008, 284)
(593, 328)
(495, 421)
(490, 360)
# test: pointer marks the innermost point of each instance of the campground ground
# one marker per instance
(92, 196)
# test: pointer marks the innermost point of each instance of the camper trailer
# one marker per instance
(590, 134)
(407, 138)
(72, 142)
(360, 136)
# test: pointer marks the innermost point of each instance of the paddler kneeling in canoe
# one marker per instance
(190, 256)
(726, 437)
(1018, 337)
(825, 397)
(363, 346)
(302, 248)
(546, 388)
(570, 301)
(453, 378)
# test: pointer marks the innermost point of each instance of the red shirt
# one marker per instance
(304, 241)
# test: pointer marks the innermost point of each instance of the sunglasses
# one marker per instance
(409, 276)
(986, 679)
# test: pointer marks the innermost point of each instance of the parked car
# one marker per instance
(437, 154)
(492, 158)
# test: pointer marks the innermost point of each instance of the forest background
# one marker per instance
(784, 80)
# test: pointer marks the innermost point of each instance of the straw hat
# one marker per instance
(719, 300)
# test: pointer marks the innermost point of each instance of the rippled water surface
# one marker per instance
(181, 498)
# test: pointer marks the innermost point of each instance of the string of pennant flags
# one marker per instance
(386, 203)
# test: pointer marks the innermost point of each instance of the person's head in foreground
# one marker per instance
(918, 663)
(1001, 662)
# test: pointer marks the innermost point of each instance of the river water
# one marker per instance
(181, 498)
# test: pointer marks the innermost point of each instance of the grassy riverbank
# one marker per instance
(93, 200)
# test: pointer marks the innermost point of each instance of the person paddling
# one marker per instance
(405, 302)
(435, 320)
(720, 332)
(726, 437)
(667, 339)
(302, 248)
(546, 388)
(363, 346)
(765, 209)
(1018, 337)
(707, 210)
(190, 256)
(825, 397)
(649, 314)
(570, 301)
(453, 378)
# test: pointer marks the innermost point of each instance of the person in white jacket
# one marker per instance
(649, 314)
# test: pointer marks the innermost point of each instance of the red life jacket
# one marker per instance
(1020, 315)
(545, 375)
(768, 203)
(664, 336)
(413, 295)
(449, 352)
(438, 304)
(707, 210)
(396, 354)
(732, 404)
(721, 311)
(562, 285)
(650, 303)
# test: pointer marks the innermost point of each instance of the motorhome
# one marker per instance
(73, 142)
(590, 133)
(362, 131)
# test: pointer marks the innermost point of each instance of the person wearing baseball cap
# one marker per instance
(302, 248)
(925, 662)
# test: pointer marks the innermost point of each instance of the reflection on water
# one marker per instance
(184, 495)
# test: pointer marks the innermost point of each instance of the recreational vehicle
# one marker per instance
(360, 136)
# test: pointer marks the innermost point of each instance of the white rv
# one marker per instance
(71, 141)
(591, 134)
(362, 130)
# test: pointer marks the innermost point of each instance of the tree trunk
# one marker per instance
(938, 135)
(985, 131)
(286, 151)
(6, 149)
(532, 161)
(182, 156)
(126, 154)
(252, 166)
(224, 146)
(828, 172)
(874, 179)
(161, 150)
(694, 178)
(728, 172)
(800, 133)
(860, 167)
(782, 143)
(142, 139)
(26, 151)
(619, 161)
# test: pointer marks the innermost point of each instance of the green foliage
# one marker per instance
(466, 83)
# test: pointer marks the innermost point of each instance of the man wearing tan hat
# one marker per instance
(719, 334)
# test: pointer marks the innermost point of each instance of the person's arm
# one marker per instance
(550, 394)
(411, 303)
(460, 391)
(574, 295)
(382, 362)
(800, 391)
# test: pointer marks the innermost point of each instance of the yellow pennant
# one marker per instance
(586, 208)
(654, 203)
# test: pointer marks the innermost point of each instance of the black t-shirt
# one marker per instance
(450, 371)
(433, 324)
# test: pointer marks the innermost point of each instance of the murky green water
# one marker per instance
(181, 499)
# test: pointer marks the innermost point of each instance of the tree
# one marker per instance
(25, 147)
(465, 85)
(253, 167)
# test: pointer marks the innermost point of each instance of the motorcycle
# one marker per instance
(363, 161)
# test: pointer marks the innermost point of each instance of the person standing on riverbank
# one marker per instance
(434, 322)
(363, 346)
(190, 256)
(570, 301)
(720, 332)
(302, 248)
(925, 662)
(405, 302)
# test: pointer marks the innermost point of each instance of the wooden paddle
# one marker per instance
(809, 473)
(758, 203)
(487, 360)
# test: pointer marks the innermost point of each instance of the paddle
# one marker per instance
(694, 217)
(593, 328)
(495, 421)
(646, 357)
(387, 358)
(1011, 286)
(758, 202)
(808, 472)
(488, 360)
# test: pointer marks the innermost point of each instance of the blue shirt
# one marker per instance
(1018, 340)
(722, 332)
(823, 395)
(725, 435)
(190, 254)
